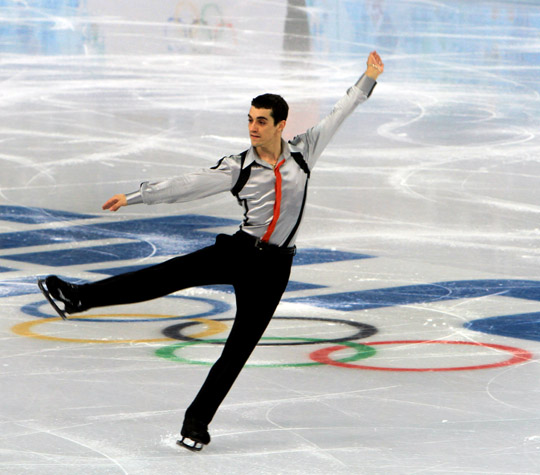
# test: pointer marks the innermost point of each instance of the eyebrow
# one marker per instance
(260, 117)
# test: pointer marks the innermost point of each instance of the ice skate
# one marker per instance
(54, 289)
(194, 436)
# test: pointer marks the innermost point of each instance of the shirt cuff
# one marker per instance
(134, 198)
(366, 84)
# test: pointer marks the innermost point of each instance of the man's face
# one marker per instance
(262, 130)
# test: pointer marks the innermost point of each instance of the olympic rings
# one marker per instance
(169, 352)
(363, 331)
(519, 356)
(216, 326)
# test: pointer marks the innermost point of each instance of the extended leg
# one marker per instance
(206, 266)
(198, 268)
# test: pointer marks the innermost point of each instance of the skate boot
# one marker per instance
(194, 435)
(54, 288)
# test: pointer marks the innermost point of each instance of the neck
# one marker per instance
(269, 154)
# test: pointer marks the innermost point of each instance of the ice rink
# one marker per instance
(408, 341)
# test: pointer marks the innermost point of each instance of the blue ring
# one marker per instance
(218, 307)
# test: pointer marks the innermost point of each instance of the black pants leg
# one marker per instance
(258, 292)
(259, 278)
(211, 265)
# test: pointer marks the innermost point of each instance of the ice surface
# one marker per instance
(421, 226)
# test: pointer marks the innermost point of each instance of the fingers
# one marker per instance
(374, 56)
(107, 204)
(375, 66)
(375, 60)
(115, 203)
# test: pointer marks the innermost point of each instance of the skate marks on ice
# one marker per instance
(432, 218)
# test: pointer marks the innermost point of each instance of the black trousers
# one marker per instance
(259, 277)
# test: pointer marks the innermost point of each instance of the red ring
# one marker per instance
(519, 356)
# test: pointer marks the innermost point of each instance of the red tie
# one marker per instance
(277, 203)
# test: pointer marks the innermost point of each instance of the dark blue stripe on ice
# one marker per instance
(424, 293)
(525, 326)
(21, 214)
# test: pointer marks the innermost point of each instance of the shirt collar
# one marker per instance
(253, 157)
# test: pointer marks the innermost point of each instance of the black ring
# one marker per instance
(364, 331)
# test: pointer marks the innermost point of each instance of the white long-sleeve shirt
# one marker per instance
(272, 205)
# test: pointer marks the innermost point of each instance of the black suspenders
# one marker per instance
(299, 159)
(244, 177)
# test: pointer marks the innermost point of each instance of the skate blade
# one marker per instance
(195, 447)
(47, 295)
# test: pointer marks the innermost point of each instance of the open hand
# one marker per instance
(115, 203)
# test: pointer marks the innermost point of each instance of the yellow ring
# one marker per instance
(25, 329)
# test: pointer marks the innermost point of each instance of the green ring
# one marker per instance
(168, 352)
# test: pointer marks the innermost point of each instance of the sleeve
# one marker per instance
(315, 140)
(188, 187)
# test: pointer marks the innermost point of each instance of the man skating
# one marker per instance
(270, 182)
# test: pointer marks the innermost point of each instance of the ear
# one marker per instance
(282, 125)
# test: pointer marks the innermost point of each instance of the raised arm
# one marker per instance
(315, 140)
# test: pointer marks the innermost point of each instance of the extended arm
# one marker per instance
(188, 187)
(315, 140)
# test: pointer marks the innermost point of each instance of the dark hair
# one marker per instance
(278, 106)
